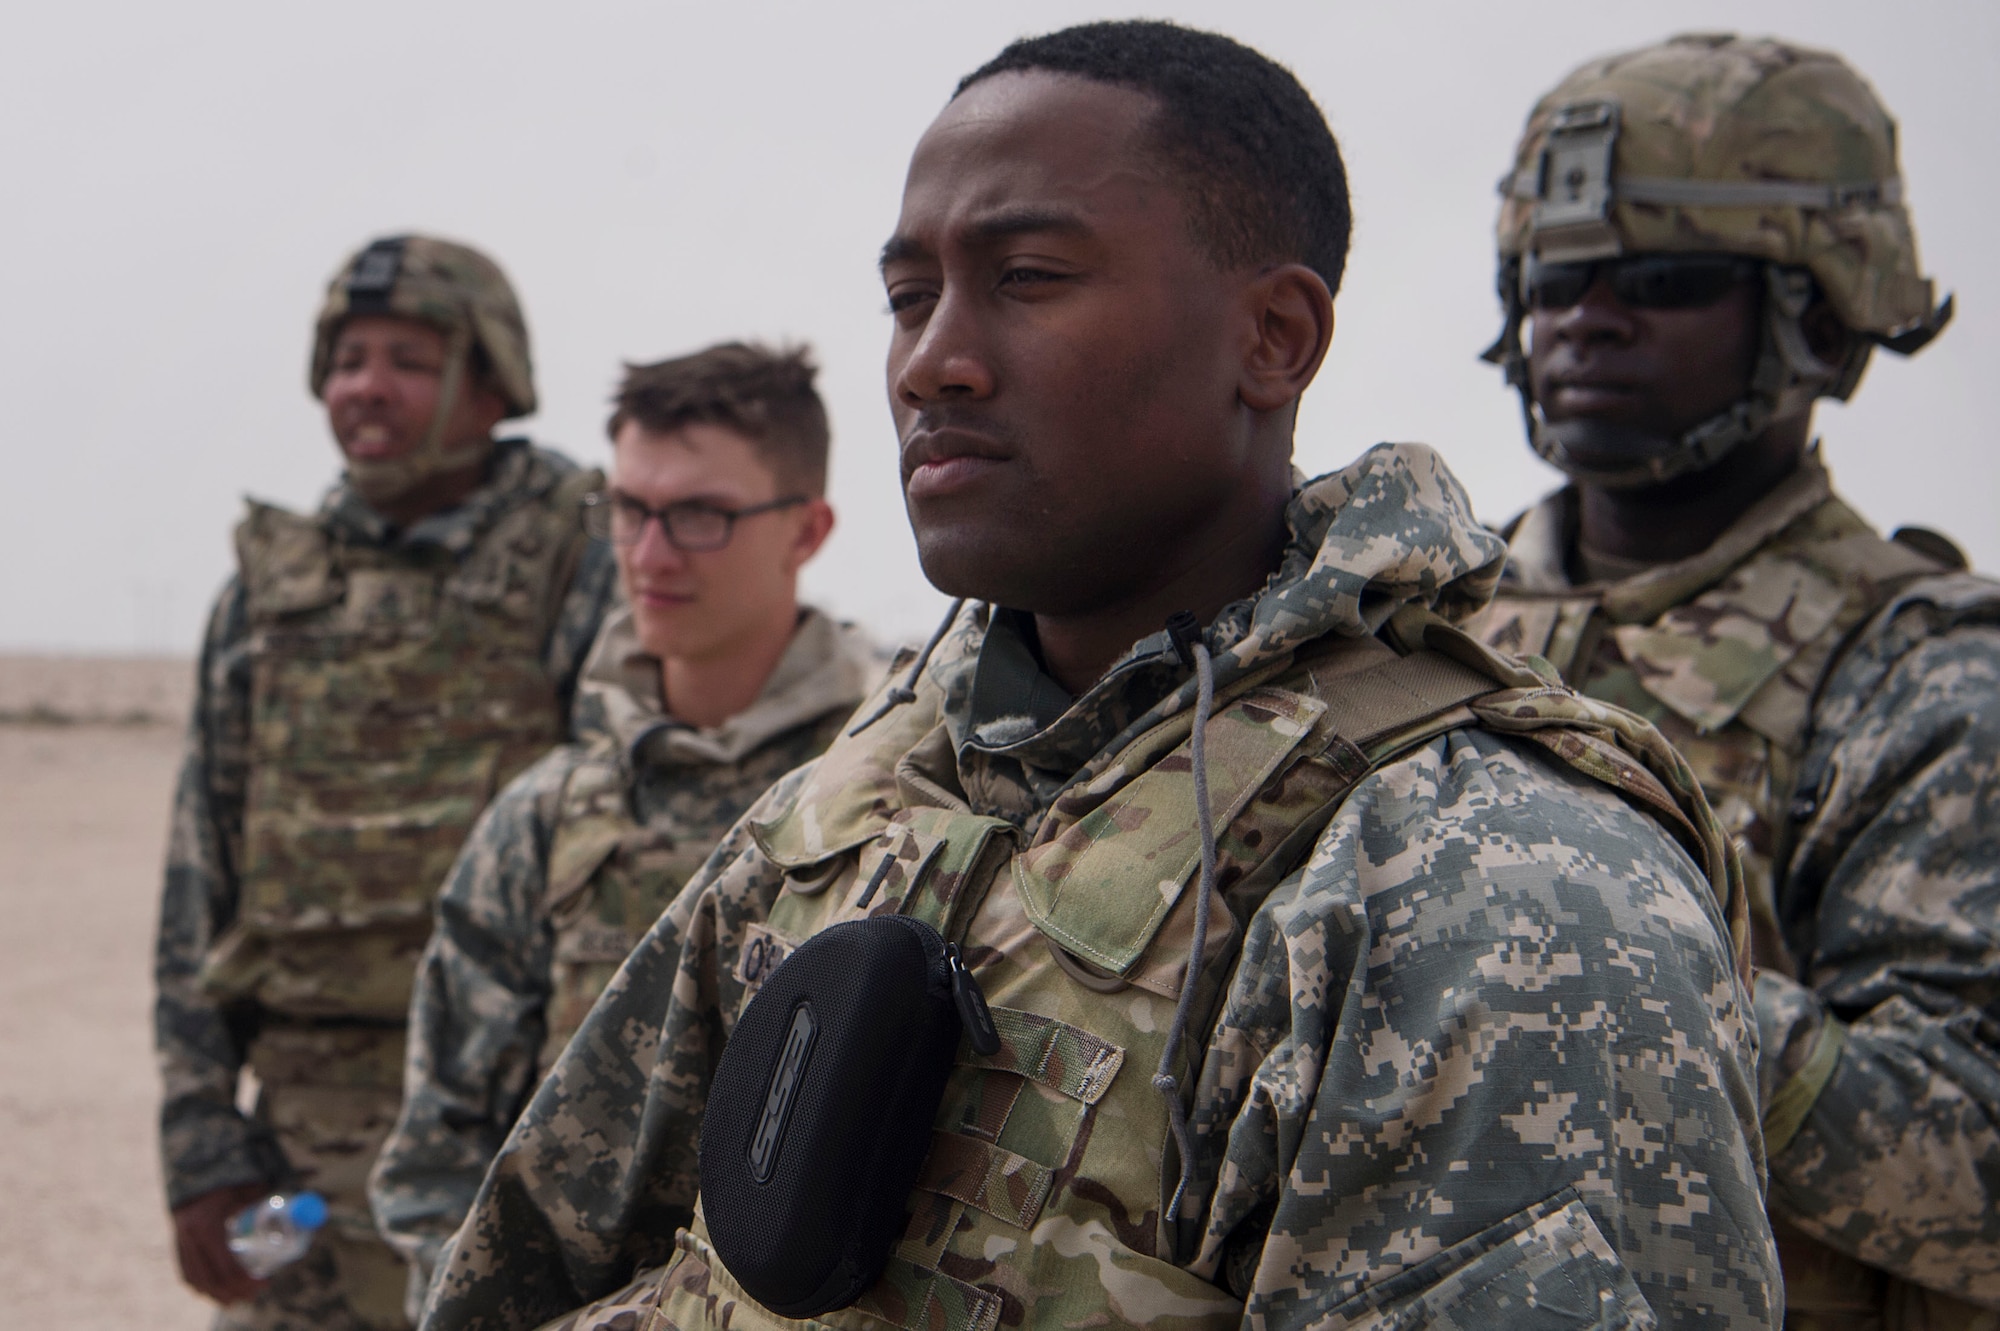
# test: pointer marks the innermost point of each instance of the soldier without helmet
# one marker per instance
(371, 675)
(1340, 972)
(1705, 237)
(710, 683)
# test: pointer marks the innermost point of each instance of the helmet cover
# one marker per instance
(1713, 143)
(452, 287)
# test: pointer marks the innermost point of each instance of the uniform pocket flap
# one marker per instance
(1547, 1266)
(1707, 658)
(1145, 834)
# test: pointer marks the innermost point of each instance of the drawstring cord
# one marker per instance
(1185, 632)
(1187, 640)
(906, 692)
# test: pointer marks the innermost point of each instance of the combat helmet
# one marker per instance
(1713, 143)
(457, 290)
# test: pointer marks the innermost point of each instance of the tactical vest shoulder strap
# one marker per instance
(1419, 667)
(1281, 756)
(1868, 573)
(1284, 755)
(593, 819)
(523, 565)
(286, 562)
(1284, 748)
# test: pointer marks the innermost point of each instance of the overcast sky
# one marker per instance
(180, 180)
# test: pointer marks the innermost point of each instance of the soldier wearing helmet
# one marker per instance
(1704, 237)
(372, 673)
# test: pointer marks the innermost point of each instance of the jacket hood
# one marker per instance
(1392, 528)
(827, 667)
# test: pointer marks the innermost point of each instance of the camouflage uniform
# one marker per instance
(1470, 1044)
(1839, 696)
(363, 691)
(565, 872)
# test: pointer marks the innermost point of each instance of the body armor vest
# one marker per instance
(610, 875)
(393, 692)
(1081, 936)
(1732, 676)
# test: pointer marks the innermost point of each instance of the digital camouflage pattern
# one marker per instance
(1721, 109)
(450, 286)
(1471, 1044)
(1839, 696)
(565, 872)
(314, 818)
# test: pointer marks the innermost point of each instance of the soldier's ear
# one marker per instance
(815, 525)
(1289, 327)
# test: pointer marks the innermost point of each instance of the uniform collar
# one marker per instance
(826, 667)
(516, 471)
(1538, 551)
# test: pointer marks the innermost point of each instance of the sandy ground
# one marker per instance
(83, 817)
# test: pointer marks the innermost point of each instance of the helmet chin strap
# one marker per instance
(388, 479)
(1786, 379)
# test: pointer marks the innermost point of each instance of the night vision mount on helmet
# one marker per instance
(1718, 144)
(464, 295)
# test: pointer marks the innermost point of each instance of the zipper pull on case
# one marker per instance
(971, 1000)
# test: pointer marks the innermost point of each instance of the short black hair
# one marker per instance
(1265, 177)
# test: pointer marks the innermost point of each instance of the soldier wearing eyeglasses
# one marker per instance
(373, 672)
(1705, 237)
(710, 684)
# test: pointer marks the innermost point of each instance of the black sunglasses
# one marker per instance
(1643, 281)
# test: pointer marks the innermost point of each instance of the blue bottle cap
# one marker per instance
(308, 1210)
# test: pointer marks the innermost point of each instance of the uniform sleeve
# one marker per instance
(1883, 1069)
(592, 593)
(204, 1142)
(601, 1169)
(477, 1020)
(1486, 1052)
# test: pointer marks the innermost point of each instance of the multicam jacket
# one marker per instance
(217, 981)
(566, 871)
(1473, 1043)
(1839, 695)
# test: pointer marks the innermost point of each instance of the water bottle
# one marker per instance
(276, 1231)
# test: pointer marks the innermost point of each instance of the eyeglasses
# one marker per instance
(1643, 281)
(692, 526)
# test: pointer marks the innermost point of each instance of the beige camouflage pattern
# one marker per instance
(1720, 108)
(1472, 1039)
(1839, 695)
(308, 834)
(565, 872)
(455, 289)
(389, 702)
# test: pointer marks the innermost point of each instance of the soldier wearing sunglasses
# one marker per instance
(1705, 237)
(706, 687)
